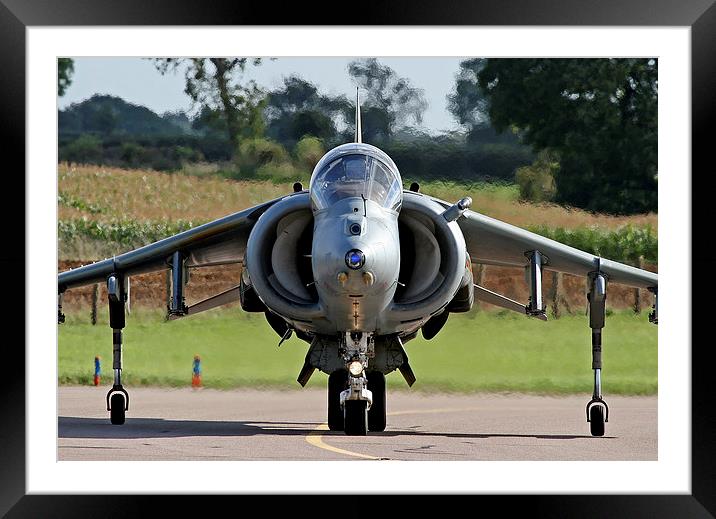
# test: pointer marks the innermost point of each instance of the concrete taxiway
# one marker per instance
(205, 424)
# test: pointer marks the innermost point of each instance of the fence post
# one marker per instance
(637, 292)
(168, 278)
(556, 293)
(478, 274)
(95, 298)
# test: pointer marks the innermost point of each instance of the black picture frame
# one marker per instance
(17, 15)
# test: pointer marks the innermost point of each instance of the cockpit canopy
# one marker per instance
(355, 170)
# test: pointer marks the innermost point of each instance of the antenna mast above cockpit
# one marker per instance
(359, 138)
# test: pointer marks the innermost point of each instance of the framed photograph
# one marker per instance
(679, 36)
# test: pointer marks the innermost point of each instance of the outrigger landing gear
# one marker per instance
(597, 409)
(117, 397)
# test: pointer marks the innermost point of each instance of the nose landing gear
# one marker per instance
(356, 398)
(350, 418)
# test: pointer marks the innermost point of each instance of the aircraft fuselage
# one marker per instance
(356, 262)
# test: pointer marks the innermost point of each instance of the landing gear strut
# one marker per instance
(117, 397)
(597, 409)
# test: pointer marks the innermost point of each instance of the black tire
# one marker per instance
(337, 382)
(116, 409)
(377, 412)
(356, 417)
(596, 420)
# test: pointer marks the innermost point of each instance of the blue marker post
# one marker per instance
(196, 372)
(97, 371)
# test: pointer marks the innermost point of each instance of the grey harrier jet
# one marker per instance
(356, 266)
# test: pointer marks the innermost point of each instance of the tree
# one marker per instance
(388, 101)
(65, 69)
(308, 152)
(213, 84)
(467, 102)
(599, 117)
(470, 107)
(86, 149)
(104, 114)
(297, 109)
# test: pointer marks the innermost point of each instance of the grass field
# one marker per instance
(478, 351)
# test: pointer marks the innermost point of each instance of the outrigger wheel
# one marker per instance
(337, 382)
(116, 409)
(117, 405)
(596, 420)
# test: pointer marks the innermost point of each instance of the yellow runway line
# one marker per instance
(315, 438)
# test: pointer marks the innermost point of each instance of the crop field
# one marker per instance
(104, 194)
(477, 351)
(106, 211)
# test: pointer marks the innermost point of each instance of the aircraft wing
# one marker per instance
(219, 242)
(493, 242)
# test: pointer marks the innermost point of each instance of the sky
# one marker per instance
(137, 81)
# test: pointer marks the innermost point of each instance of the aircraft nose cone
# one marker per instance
(355, 259)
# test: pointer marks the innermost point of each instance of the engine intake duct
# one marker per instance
(432, 259)
(278, 259)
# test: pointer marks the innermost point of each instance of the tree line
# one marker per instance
(581, 132)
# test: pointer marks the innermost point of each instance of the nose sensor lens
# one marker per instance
(355, 259)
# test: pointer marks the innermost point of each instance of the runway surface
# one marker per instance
(205, 424)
